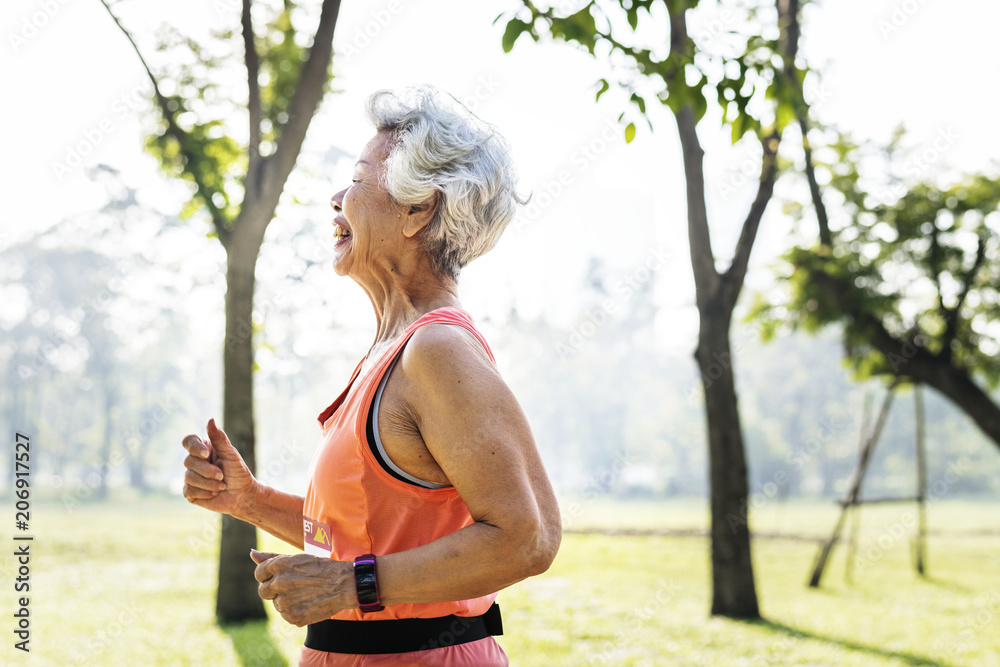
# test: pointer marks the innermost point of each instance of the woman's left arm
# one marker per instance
(476, 431)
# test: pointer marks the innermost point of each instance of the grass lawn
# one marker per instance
(132, 584)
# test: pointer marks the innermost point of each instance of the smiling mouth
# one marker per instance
(340, 232)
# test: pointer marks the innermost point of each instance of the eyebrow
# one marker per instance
(363, 162)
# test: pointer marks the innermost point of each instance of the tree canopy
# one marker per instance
(911, 270)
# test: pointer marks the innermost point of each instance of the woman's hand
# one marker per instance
(216, 478)
(304, 588)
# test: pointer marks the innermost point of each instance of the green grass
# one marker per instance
(133, 585)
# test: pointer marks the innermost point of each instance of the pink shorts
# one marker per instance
(481, 653)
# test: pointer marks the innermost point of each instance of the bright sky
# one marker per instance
(74, 79)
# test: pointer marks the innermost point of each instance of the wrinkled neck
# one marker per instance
(403, 292)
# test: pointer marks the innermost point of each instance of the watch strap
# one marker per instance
(366, 583)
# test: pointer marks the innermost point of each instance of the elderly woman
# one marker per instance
(427, 494)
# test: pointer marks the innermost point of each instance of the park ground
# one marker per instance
(130, 582)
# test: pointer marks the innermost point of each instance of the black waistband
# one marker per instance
(402, 635)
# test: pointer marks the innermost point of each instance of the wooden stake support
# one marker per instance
(851, 499)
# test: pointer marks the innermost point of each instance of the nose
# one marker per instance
(337, 201)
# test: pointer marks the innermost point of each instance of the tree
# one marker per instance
(909, 269)
(683, 80)
(239, 184)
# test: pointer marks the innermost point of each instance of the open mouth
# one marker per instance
(340, 233)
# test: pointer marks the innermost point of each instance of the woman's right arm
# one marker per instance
(218, 479)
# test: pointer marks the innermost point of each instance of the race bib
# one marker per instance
(316, 535)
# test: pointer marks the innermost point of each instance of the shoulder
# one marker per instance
(441, 348)
(452, 388)
(445, 367)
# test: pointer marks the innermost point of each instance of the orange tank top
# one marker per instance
(354, 505)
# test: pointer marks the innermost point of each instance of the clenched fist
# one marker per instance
(304, 588)
(216, 478)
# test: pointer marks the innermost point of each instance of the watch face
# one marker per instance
(365, 583)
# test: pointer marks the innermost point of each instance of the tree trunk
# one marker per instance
(137, 475)
(237, 596)
(105, 468)
(825, 472)
(264, 182)
(733, 590)
(796, 443)
(137, 444)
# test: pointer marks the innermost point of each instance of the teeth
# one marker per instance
(341, 232)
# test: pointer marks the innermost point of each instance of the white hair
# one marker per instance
(439, 146)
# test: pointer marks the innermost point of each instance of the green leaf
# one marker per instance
(514, 29)
(785, 114)
(579, 27)
(639, 102)
(629, 133)
(632, 13)
(604, 88)
(699, 105)
(678, 95)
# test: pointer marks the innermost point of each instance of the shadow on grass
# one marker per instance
(943, 583)
(254, 645)
(906, 658)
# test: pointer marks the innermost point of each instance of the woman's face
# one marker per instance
(367, 222)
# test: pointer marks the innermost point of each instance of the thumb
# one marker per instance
(260, 556)
(220, 441)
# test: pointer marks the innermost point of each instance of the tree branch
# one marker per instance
(952, 314)
(934, 260)
(702, 259)
(908, 359)
(174, 130)
(308, 94)
(701, 241)
(733, 277)
(791, 30)
(788, 23)
(822, 219)
(679, 55)
(253, 88)
(643, 56)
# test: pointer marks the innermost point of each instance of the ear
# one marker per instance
(420, 216)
